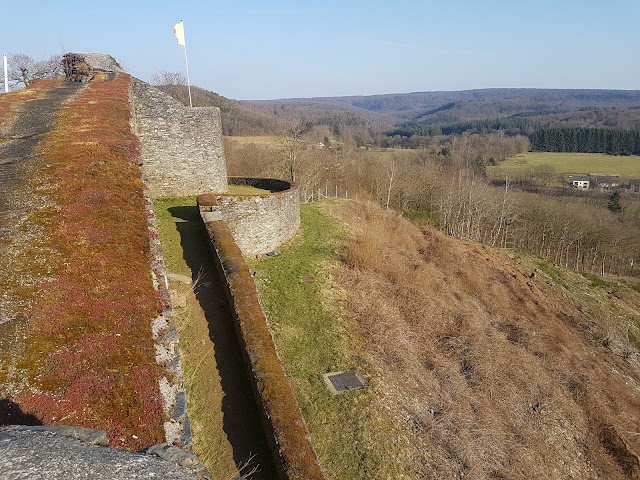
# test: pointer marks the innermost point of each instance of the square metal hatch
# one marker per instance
(340, 382)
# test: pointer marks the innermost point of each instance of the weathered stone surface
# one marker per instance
(19, 163)
(37, 453)
(87, 435)
(181, 148)
(101, 61)
(169, 391)
(165, 337)
(213, 216)
(260, 223)
(175, 455)
(181, 406)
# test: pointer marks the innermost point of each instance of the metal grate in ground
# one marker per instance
(340, 382)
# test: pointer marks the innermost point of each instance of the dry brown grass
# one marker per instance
(491, 373)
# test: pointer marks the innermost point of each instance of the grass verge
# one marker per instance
(224, 422)
(246, 190)
(312, 339)
(202, 380)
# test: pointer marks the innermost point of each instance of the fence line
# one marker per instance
(316, 194)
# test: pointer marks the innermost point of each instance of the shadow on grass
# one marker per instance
(12, 414)
(241, 421)
(188, 213)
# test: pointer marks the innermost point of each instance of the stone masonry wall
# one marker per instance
(260, 223)
(181, 148)
(286, 431)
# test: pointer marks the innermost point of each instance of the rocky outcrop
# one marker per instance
(62, 453)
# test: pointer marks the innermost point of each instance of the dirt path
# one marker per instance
(19, 269)
(241, 423)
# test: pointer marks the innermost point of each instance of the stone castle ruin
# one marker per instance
(182, 154)
(181, 148)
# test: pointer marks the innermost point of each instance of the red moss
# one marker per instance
(89, 346)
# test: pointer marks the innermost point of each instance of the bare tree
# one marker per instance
(294, 145)
(163, 77)
(392, 173)
(23, 69)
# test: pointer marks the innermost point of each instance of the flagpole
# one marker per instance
(186, 62)
(6, 75)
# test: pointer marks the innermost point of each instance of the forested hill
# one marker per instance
(476, 104)
(516, 110)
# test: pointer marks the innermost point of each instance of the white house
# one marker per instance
(580, 182)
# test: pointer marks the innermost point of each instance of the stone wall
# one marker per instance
(62, 452)
(284, 426)
(181, 148)
(260, 223)
(101, 61)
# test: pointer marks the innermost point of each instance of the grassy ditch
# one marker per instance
(312, 339)
(226, 429)
(177, 218)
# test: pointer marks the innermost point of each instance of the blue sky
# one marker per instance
(277, 49)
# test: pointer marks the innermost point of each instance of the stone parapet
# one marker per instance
(182, 151)
(261, 223)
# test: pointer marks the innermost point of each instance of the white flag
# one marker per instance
(178, 31)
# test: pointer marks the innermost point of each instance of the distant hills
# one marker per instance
(515, 110)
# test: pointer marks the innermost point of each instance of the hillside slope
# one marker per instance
(490, 103)
(479, 366)
(491, 369)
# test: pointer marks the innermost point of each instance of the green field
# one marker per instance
(246, 190)
(567, 164)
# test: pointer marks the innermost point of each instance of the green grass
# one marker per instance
(567, 164)
(170, 212)
(596, 281)
(556, 275)
(313, 339)
(246, 190)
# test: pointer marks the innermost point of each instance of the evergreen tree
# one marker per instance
(614, 204)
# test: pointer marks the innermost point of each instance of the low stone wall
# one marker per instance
(282, 420)
(181, 148)
(261, 223)
(177, 426)
(61, 452)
